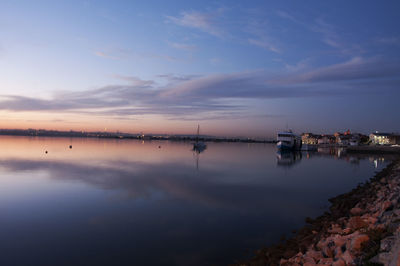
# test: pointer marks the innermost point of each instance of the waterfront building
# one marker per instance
(378, 138)
(309, 138)
(326, 139)
(343, 139)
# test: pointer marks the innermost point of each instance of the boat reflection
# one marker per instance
(199, 147)
(288, 158)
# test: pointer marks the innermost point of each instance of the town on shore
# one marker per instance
(346, 138)
(351, 139)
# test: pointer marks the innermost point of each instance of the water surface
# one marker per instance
(126, 202)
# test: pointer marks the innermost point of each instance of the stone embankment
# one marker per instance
(362, 228)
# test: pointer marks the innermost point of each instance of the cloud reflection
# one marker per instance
(170, 180)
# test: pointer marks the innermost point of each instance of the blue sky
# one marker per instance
(235, 67)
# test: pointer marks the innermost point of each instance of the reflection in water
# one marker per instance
(118, 202)
(196, 151)
(288, 158)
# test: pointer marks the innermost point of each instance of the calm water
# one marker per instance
(124, 202)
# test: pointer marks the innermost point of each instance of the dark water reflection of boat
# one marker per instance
(288, 158)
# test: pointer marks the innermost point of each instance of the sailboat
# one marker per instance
(199, 146)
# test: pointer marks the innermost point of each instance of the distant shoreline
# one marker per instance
(120, 135)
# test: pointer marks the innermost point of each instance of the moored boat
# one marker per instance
(287, 140)
(199, 146)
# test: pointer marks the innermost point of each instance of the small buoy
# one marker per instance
(70, 146)
(45, 152)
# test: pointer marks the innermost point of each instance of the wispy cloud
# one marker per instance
(389, 40)
(106, 55)
(214, 95)
(286, 15)
(135, 81)
(215, 60)
(328, 31)
(202, 21)
(330, 37)
(172, 78)
(259, 35)
(263, 43)
(161, 56)
(253, 30)
(115, 53)
(357, 68)
(330, 34)
(183, 46)
(299, 66)
(124, 54)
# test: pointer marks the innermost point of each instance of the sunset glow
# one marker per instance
(238, 69)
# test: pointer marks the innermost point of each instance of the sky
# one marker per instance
(236, 68)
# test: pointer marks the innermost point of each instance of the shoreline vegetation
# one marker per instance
(362, 227)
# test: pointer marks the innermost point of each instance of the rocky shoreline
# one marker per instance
(361, 228)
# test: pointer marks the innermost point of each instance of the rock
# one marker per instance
(383, 258)
(356, 211)
(321, 244)
(376, 214)
(381, 226)
(338, 252)
(398, 259)
(371, 220)
(298, 258)
(327, 252)
(339, 240)
(339, 262)
(375, 207)
(356, 243)
(356, 222)
(386, 243)
(309, 262)
(315, 255)
(283, 262)
(335, 229)
(386, 205)
(346, 231)
(348, 258)
(375, 260)
(325, 261)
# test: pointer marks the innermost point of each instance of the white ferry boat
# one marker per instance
(287, 140)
